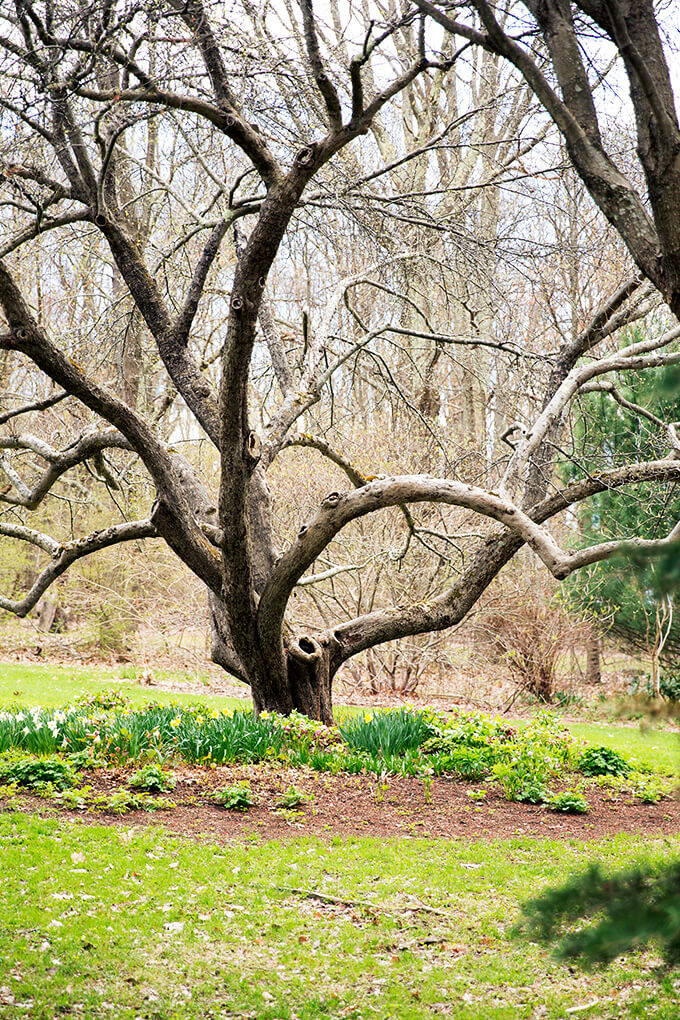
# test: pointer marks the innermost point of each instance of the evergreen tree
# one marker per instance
(633, 596)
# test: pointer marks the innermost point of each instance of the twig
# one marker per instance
(311, 894)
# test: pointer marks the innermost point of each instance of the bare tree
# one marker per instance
(265, 128)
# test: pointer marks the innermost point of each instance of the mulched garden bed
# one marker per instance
(349, 806)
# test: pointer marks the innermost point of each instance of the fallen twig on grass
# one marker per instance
(311, 894)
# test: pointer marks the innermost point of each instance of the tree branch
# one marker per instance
(178, 526)
(39, 405)
(60, 461)
(184, 320)
(65, 555)
(323, 82)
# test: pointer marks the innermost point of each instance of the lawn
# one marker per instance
(127, 922)
(657, 748)
(54, 685)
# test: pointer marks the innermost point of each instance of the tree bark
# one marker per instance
(593, 657)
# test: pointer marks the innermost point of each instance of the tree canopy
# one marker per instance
(357, 232)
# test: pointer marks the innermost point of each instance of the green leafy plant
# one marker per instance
(532, 792)
(107, 700)
(86, 759)
(36, 772)
(477, 795)
(354, 763)
(471, 763)
(569, 802)
(427, 787)
(567, 699)
(120, 801)
(523, 776)
(152, 778)
(235, 798)
(603, 761)
(322, 761)
(409, 763)
(649, 791)
(78, 799)
(292, 798)
(386, 733)
(669, 686)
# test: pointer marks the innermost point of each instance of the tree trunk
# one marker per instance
(593, 664)
(309, 679)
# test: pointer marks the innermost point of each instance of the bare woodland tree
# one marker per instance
(171, 150)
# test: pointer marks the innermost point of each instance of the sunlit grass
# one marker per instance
(54, 685)
(127, 922)
(657, 748)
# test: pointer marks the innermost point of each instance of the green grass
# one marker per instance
(52, 686)
(126, 922)
(656, 748)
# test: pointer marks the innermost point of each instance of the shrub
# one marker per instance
(152, 778)
(603, 761)
(528, 635)
(37, 772)
(325, 761)
(235, 798)
(106, 700)
(386, 733)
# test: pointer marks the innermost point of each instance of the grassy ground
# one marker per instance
(55, 685)
(128, 923)
(655, 747)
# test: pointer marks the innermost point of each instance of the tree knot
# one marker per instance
(305, 156)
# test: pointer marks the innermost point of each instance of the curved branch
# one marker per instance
(636, 356)
(39, 405)
(42, 226)
(177, 522)
(59, 462)
(248, 138)
(325, 448)
(338, 509)
(449, 608)
(24, 534)
(67, 554)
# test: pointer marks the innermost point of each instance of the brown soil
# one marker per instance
(365, 806)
